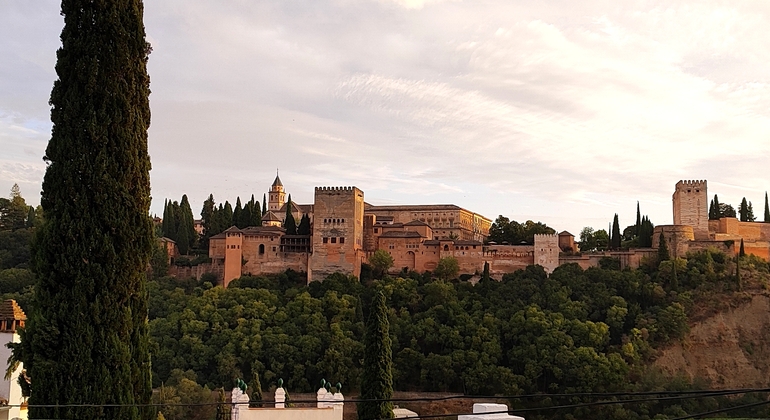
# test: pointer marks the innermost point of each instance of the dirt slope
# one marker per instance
(730, 349)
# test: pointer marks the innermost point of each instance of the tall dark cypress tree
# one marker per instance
(256, 214)
(186, 222)
(86, 342)
(289, 223)
(663, 253)
(376, 377)
(638, 220)
(264, 204)
(767, 210)
(743, 210)
(237, 214)
(304, 225)
(615, 233)
(717, 209)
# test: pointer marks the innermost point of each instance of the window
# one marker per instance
(326, 240)
(376, 230)
(342, 240)
(334, 240)
(261, 249)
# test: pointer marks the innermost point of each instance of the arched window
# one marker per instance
(261, 249)
(446, 247)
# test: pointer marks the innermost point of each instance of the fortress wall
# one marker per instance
(729, 247)
(677, 238)
(279, 263)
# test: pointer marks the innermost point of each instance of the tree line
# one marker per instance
(576, 330)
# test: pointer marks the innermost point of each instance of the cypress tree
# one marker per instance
(717, 208)
(207, 219)
(615, 233)
(30, 217)
(376, 377)
(86, 342)
(256, 214)
(712, 211)
(743, 210)
(304, 225)
(237, 213)
(485, 275)
(638, 220)
(186, 222)
(767, 210)
(166, 224)
(289, 223)
(742, 252)
(264, 204)
(227, 215)
(663, 254)
(750, 213)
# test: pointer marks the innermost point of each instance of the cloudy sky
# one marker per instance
(564, 112)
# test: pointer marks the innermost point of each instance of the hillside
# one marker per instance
(729, 348)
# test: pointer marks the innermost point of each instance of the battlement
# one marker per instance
(334, 189)
(691, 184)
(545, 236)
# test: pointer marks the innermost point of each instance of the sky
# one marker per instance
(564, 112)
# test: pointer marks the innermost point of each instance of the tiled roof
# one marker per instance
(9, 309)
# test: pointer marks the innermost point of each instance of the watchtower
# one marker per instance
(277, 195)
(338, 231)
(691, 207)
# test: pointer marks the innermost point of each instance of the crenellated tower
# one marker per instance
(338, 232)
(691, 207)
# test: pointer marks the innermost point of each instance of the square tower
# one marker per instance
(691, 207)
(338, 232)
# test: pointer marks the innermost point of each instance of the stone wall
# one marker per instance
(677, 238)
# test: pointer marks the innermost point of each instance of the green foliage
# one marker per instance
(181, 398)
(377, 377)
(237, 218)
(14, 212)
(381, 261)
(304, 225)
(447, 268)
(159, 261)
(504, 230)
(663, 253)
(86, 341)
(743, 210)
(767, 210)
(485, 273)
(714, 208)
(289, 223)
(726, 210)
(615, 238)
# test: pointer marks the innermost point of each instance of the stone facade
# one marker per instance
(346, 231)
(338, 231)
(691, 207)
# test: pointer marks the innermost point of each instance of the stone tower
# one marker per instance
(277, 195)
(691, 207)
(338, 232)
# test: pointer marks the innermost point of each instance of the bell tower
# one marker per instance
(277, 195)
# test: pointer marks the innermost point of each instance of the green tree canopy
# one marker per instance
(381, 261)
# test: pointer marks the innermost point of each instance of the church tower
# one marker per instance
(277, 195)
